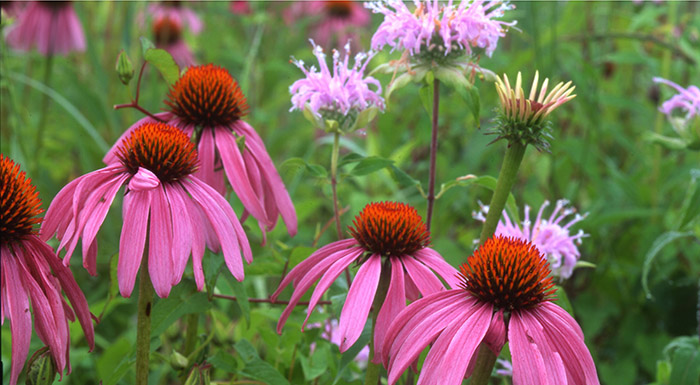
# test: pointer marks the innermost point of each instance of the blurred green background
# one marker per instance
(636, 193)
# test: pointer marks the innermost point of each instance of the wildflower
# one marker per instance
(523, 118)
(344, 97)
(207, 104)
(337, 19)
(51, 26)
(175, 10)
(549, 235)
(388, 238)
(331, 332)
(240, 7)
(31, 272)
(168, 36)
(163, 202)
(505, 286)
(688, 102)
(434, 31)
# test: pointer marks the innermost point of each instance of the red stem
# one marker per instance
(269, 300)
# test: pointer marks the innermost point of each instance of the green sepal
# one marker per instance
(125, 70)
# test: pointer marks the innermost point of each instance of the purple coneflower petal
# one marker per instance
(424, 279)
(433, 260)
(16, 303)
(136, 209)
(208, 163)
(534, 361)
(183, 230)
(393, 304)
(160, 243)
(359, 301)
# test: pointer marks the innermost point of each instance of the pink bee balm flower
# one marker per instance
(163, 202)
(207, 103)
(687, 100)
(340, 95)
(438, 26)
(388, 238)
(338, 18)
(240, 7)
(549, 235)
(31, 272)
(168, 36)
(176, 11)
(50, 26)
(505, 275)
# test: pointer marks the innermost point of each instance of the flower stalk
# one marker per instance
(506, 179)
(433, 152)
(334, 182)
(143, 322)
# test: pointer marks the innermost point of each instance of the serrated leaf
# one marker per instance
(352, 157)
(165, 64)
(426, 97)
(370, 164)
(223, 361)
(452, 76)
(317, 363)
(471, 97)
(400, 177)
(659, 243)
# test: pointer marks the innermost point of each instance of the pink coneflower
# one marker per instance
(437, 29)
(163, 202)
(337, 19)
(549, 235)
(207, 103)
(31, 272)
(389, 239)
(240, 7)
(175, 10)
(50, 26)
(168, 36)
(687, 100)
(505, 295)
(340, 95)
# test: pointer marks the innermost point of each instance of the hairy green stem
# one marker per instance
(486, 359)
(143, 323)
(433, 152)
(374, 370)
(506, 179)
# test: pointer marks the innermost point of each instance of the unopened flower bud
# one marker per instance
(41, 369)
(125, 70)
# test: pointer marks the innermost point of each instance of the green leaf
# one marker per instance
(426, 95)
(685, 366)
(184, 299)
(470, 96)
(486, 181)
(317, 363)
(223, 361)
(165, 64)
(146, 45)
(452, 76)
(403, 179)
(354, 350)
(363, 118)
(580, 264)
(241, 294)
(255, 367)
(370, 164)
(315, 170)
(660, 242)
(115, 361)
(563, 300)
(352, 157)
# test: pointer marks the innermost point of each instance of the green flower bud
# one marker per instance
(125, 70)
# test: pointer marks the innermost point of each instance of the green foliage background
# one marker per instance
(633, 190)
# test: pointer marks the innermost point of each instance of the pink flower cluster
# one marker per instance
(469, 25)
(686, 99)
(343, 91)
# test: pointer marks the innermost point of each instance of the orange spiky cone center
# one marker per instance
(390, 228)
(19, 202)
(160, 148)
(207, 96)
(509, 273)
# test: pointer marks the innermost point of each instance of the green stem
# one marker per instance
(192, 322)
(334, 183)
(433, 152)
(374, 370)
(486, 359)
(506, 179)
(43, 112)
(143, 323)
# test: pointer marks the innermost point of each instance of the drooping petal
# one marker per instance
(360, 297)
(209, 166)
(433, 260)
(460, 341)
(528, 354)
(17, 302)
(425, 280)
(393, 304)
(136, 210)
(183, 231)
(160, 243)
